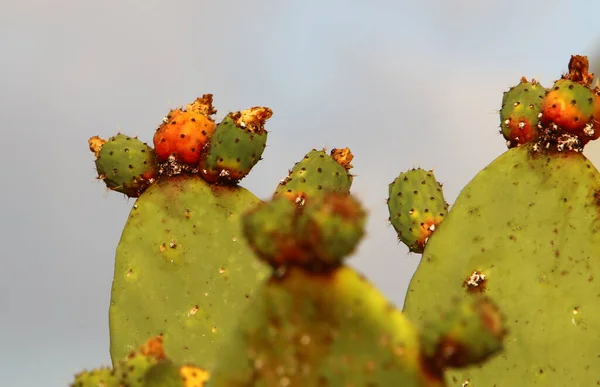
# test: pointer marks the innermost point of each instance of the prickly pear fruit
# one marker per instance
(146, 367)
(466, 335)
(519, 115)
(124, 163)
(570, 105)
(194, 376)
(317, 172)
(526, 232)
(316, 236)
(182, 268)
(271, 232)
(236, 146)
(332, 225)
(104, 377)
(329, 328)
(417, 206)
(181, 138)
(132, 369)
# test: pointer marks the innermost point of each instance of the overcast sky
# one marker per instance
(401, 84)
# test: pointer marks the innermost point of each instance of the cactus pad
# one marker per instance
(417, 206)
(526, 232)
(182, 268)
(308, 329)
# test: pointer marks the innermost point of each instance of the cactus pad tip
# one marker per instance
(203, 105)
(253, 119)
(343, 157)
(95, 144)
(578, 70)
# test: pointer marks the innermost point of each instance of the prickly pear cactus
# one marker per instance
(317, 322)
(182, 269)
(526, 232)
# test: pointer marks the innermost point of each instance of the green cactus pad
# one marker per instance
(526, 232)
(417, 206)
(124, 163)
(104, 377)
(332, 225)
(317, 172)
(334, 329)
(183, 269)
(519, 116)
(236, 146)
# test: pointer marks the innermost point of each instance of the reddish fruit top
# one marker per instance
(184, 133)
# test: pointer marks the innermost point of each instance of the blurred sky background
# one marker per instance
(402, 83)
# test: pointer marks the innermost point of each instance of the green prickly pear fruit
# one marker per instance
(101, 377)
(163, 374)
(332, 225)
(167, 374)
(317, 172)
(519, 115)
(236, 146)
(466, 335)
(132, 369)
(316, 236)
(271, 231)
(124, 163)
(526, 232)
(147, 366)
(417, 206)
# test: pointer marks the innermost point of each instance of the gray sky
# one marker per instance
(401, 84)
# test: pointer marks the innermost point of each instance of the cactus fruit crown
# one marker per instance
(183, 144)
(563, 118)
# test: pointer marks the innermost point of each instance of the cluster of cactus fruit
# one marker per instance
(258, 293)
